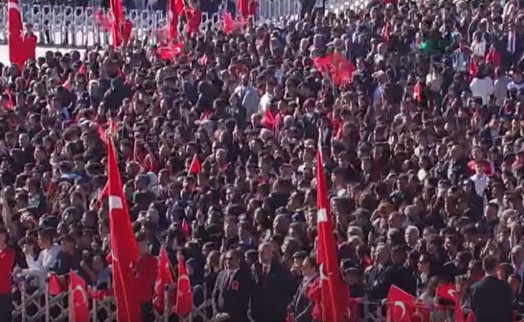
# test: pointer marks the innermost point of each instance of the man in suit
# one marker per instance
(512, 44)
(233, 289)
(274, 287)
(302, 306)
(491, 298)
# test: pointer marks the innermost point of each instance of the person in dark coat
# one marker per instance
(274, 287)
(302, 305)
(491, 298)
(233, 289)
(398, 274)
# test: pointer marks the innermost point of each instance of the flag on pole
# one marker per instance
(184, 296)
(78, 304)
(164, 277)
(174, 10)
(117, 20)
(195, 167)
(124, 250)
(15, 42)
(329, 273)
(400, 305)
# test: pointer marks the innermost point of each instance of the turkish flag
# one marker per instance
(243, 8)
(124, 250)
(56, 285)
(193, 20)
(117, 17)
(195, 167)
(329, 273)
(352, 313)
(448, 292)
(174, 9)
(400, 305)
(269, 120)
(420, 312)
(184, 296)
(170, 51)
(15, 41)
(78, 304)
(164, 277)
(230, 25)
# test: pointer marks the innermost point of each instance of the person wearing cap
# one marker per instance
(7, 262)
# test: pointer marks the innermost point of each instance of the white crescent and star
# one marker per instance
(452, 293)
(321, 215)
(402, 306)
(80, 289)
(115, 202)
(321, 273)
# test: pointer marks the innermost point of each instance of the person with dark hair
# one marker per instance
(145, 276)
(491, 298)
(69, 258)
(302, 305)
(233, 290)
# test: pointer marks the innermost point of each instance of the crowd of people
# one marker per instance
(423, 149)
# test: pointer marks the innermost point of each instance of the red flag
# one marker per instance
(15, 42)
(174, 9)
(322, 64)
(117, 17)
(448, 292)
(400, 305)
(193, 19)
(102, 20)
(184, 296)
(124, 250)
(243, 8)
(169, 52)
(230, 25)
(78, 304)
(326, 250)
(195, 167)
(352, 313)
(164, 277)
(342, 70)
(56, 285)
(471, 317)
(420, 312)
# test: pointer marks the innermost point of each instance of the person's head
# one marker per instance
(310, 266)
(143, 245)
(45, 237)
(381, 254)
(489, 264)
(265, 253)
(232, 260)
(68, 244)
(412, 234)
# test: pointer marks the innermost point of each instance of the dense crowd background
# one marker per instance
(423, 150)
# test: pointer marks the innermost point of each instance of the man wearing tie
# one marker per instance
(491, 298)
(232, 290)
(512, 42)
(302, 306)
(274, 287)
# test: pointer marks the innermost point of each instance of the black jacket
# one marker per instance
(232, 296)
(491, 300)
(273, 293)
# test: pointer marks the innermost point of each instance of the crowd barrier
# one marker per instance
(76, 27)
(33, 304)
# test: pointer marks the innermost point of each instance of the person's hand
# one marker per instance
(27, 250)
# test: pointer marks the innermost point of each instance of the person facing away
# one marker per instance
(233, 289)
(274, 287)
(491, 298)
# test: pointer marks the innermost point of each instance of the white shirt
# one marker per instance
(249, 99)
(46, 259)
(481, 183)
(482, 88)
(478, 48)
(264, 101)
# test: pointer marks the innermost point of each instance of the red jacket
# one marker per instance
(145, 278)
